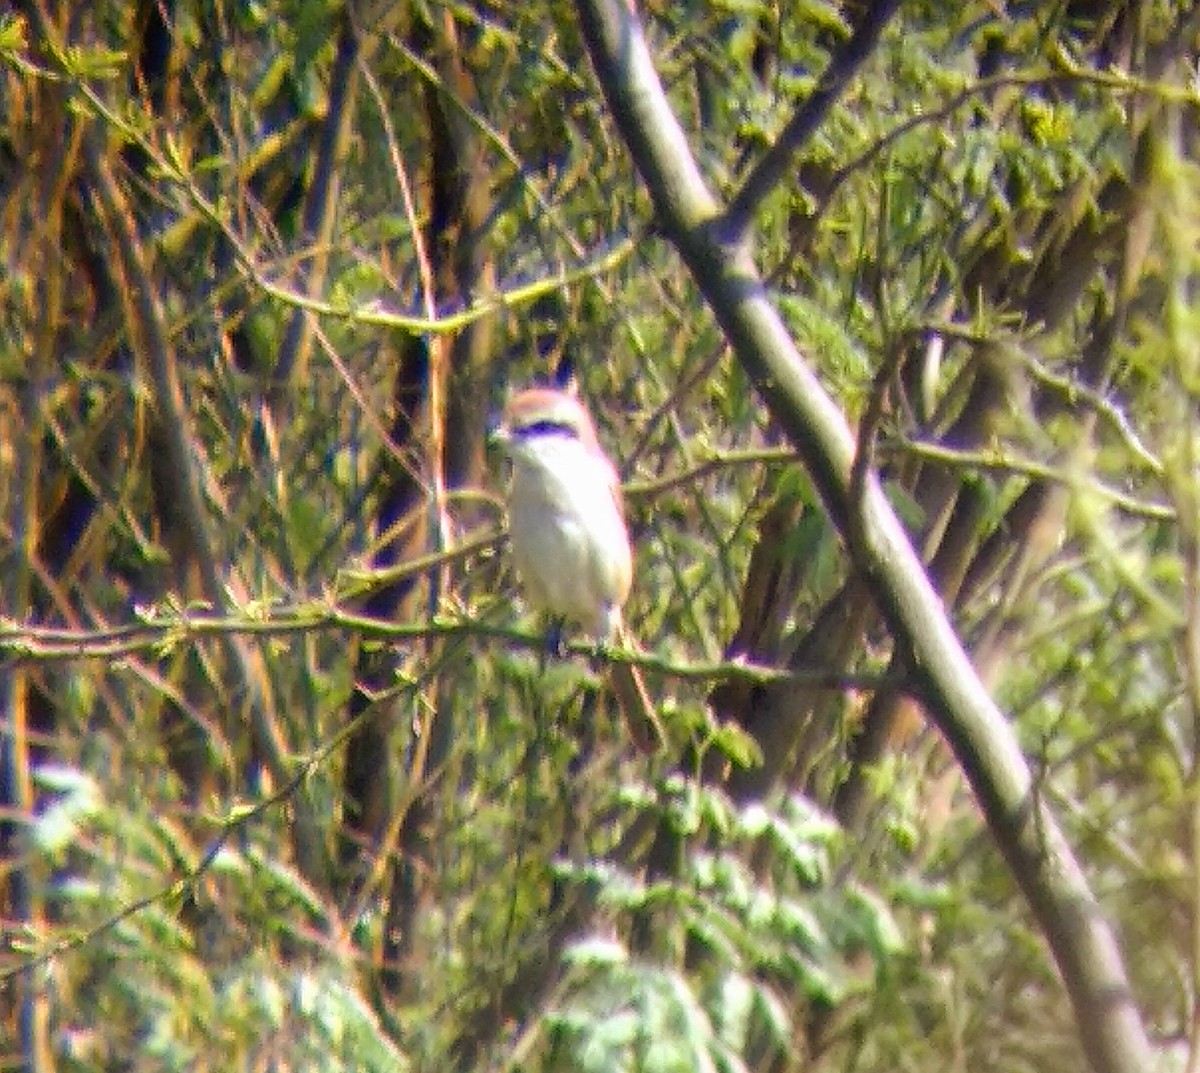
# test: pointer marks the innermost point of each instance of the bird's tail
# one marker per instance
(636, 706)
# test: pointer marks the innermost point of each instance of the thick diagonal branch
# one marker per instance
(1032, 843)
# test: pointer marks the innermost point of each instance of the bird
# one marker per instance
(569, 540)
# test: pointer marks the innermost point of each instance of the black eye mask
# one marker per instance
(547, 426)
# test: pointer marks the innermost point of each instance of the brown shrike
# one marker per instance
(568, 532)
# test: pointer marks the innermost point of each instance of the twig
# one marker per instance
(30, 642)
(715, 463)
(999, 461)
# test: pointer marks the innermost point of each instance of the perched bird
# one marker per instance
(568, 532)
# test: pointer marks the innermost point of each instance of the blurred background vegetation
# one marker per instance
(285, 781)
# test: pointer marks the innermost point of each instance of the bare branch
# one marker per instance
(1001, 462)
(163, 632)
(320, 209)
(776, 165)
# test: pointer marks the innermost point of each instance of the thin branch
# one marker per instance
(776, 164)
(1074, 391)
(373, 313)
(936, 117)
(321, 203)
(146, 323)
(1001, 462)
(525, 176)
(164, 631)
(715, 463)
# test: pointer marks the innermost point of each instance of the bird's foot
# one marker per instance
(556, 644)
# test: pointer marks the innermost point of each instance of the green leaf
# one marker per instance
(596, 952)
(737, 745)
(57, 826)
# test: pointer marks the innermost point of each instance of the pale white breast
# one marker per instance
(568, 537)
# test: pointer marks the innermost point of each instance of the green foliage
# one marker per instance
(76, 799)
(199, 972)
(514, 889)
(757, 940)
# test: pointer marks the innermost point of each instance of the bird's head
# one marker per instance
(542, 414)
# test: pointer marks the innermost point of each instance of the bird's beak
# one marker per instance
(499, 435)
